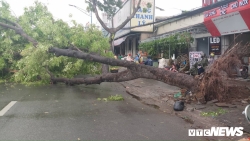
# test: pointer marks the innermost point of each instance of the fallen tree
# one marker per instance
(212, 85)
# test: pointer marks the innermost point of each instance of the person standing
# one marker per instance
(149, 61)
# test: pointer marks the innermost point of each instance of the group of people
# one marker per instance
(137, 59)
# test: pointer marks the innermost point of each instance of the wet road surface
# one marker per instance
(74, 113)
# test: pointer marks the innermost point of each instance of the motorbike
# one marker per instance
(244, 71)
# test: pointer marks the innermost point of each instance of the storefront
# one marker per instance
(127, 39)
(228, 25)
(229, 19)
(127, 45)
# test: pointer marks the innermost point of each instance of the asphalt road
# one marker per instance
(74, 113)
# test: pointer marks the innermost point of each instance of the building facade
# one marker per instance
(193, 24)
(228, 25)
(214, 31)
(127, 39)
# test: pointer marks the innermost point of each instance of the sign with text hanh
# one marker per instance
(143, 16)
(215, 45)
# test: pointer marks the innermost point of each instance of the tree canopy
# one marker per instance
(30, 64)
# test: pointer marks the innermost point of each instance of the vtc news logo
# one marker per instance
(217, 131)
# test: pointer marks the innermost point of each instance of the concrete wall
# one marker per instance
(145, 36)
(202, 45)
(225, 42)
(194, 45)
(183, 23)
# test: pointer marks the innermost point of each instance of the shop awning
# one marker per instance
(119, 41)
(230, 19)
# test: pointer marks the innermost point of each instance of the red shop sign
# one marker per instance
(239, 5)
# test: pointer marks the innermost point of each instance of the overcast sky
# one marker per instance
(61, 9)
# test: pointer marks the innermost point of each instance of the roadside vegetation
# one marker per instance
(215, 113)
(112, 98)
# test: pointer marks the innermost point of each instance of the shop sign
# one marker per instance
(215, 45)
(194, 57)
(143, 17)
(228, 8)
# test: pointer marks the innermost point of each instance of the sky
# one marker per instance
(61, 9)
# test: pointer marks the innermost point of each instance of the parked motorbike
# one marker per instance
(244, 71)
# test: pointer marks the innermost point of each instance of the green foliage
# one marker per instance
(2, 63)
(218, 112)
(16, 53)
(115, 98)
(173, 42)
(112, 98)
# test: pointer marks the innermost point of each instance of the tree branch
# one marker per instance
(8, 26)
(139, 71)
(114, 30)
(107, 77)
(8, 21)
(135, 9)
(110, 30)
(18, 29)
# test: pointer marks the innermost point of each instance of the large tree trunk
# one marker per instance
(135, 70)
(213, 84)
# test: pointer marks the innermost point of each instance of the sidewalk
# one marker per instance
(160, 95)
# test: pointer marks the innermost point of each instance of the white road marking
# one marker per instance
(7, 107)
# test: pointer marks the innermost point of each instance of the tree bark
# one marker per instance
(105, 68)
(18, 29)
(137, 70)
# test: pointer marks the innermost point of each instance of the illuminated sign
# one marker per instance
(215, 45)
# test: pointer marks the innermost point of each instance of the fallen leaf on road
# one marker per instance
(46, 112)
(79, 139)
